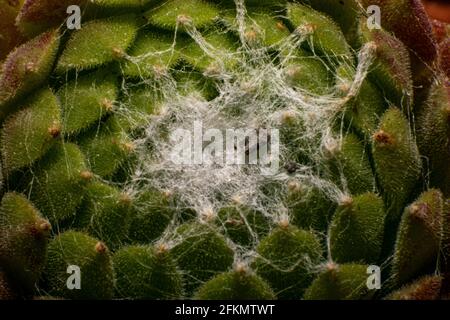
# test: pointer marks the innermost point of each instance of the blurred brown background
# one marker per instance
(438, 9)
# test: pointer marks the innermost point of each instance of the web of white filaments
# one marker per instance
(254, 92)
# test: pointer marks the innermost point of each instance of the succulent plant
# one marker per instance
(89, 181)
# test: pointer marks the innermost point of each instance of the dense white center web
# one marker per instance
(257, 87)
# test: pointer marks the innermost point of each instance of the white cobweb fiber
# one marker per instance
(254, 93)
(257, 88)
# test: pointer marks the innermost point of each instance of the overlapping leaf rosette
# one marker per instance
(363, 114)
